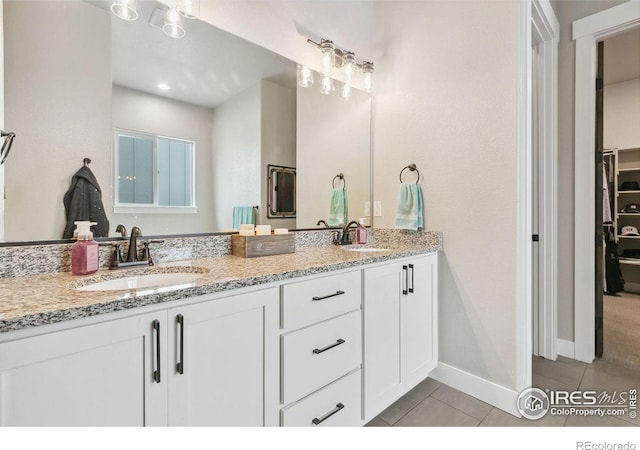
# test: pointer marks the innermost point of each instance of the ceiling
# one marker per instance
(206, 67)
(622, 57)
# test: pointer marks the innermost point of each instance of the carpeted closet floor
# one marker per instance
(622, 330)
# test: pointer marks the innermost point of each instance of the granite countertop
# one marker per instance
(36, 300)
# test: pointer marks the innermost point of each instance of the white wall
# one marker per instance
(236, 155)
(43, 50)
(1, 119)
(278, 143)
(138, 111)
(333, 138)
(622, 114)
(567, 12)
(446, 100)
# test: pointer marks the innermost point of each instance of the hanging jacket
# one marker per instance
(83, 201)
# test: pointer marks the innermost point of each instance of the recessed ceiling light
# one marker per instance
(164, 86)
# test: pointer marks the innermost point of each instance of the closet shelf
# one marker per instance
(634, 262)
(628, 192)
(629, 237)
(628, 214)
(635, 169)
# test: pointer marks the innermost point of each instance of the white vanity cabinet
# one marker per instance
(400, 329)
(125, 372)
(321, 347)
(97, 375)
(223, 362)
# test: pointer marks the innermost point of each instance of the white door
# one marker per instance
(98, 375)
(421, 310)
(223, 362)
(383, 337)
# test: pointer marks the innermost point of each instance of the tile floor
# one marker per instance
(434, 404)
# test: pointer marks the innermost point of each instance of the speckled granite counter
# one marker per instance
(36, 300)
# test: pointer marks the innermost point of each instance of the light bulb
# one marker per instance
(328, 56)
(327, 86)
(349, 64)
(345, 93)
(189, 8)
(305, 76)
(367, 76)
(125, 9)
(173, 24)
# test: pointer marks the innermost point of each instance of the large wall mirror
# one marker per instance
(180, 132)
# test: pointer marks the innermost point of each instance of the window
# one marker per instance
(153, 173)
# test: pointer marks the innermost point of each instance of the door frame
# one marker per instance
(587, 32)
(546, 35)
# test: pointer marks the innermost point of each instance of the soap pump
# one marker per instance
(361, 232)
(84, 253)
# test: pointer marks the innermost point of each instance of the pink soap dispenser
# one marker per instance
(84, 253)
(361, 232)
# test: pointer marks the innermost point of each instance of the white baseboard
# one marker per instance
(485, 390)
(566, 348)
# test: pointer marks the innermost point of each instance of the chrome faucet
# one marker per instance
(344, 237)
(132, 252)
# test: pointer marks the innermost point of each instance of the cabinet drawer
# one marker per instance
(315, 356)
(314, 300)
(342, 398)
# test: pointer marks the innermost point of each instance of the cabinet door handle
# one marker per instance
(156, 373)
(406, 280)
(412, 280)
(317, 351)
(315, 299)
(180, 364)
(317, 421)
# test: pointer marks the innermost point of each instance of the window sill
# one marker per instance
(155, 210)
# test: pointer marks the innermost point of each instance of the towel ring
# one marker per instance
(86, 162)
(344, 181)
(412, 168)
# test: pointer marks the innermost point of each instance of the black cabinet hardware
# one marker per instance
(156, 373)
(315, 299)
(317, 351)
(411, 288)
(180, 364)
(406, 280)
(317, 421)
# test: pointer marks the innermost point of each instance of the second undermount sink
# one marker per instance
(365, 249)
(142, 281)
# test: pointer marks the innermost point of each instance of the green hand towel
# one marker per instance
(243, 214)
(409, 212)
(338, 208)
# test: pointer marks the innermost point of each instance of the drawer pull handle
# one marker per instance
(156, 373)
(412, 279)
(317, 421)
(405, 286)
(315, 299)
(317, 351)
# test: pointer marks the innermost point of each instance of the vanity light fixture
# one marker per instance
(334, 59)
(305, 76)
(125, 9)
(190, 9)
(173, 24)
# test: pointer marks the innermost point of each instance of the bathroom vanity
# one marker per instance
(322, 337)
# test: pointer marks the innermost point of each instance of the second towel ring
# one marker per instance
(412, 168)
(344, 181)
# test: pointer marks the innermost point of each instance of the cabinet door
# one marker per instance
(97, 375)
(421, 319)
(230, 373)
(383, 338)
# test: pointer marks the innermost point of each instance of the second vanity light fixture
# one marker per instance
(337, 59)
(172, 21)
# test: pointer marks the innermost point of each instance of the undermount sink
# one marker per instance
(143, 281)
(365, 249)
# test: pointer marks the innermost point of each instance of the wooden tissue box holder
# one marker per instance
(265, 245)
